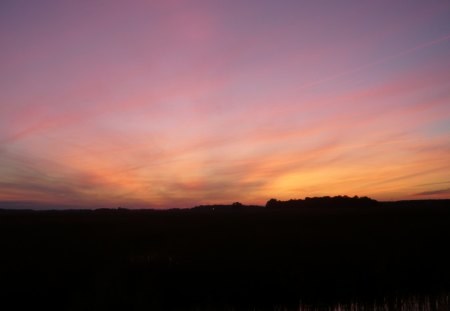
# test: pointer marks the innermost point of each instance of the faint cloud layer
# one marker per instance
(434, 192)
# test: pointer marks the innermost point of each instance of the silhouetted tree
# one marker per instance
(272, 203)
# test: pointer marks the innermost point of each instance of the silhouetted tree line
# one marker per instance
(326, 201)
(234, 206)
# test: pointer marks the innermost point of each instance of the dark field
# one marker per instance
(242, 258)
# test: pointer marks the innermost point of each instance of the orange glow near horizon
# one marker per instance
(178, 103)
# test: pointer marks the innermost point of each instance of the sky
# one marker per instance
(161, 104)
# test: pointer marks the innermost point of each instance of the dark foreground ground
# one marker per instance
(209, 259)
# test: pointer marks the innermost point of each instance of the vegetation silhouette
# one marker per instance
(213, 257)
(337, 201)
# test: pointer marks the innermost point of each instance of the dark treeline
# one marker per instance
(214, 257)
(337, 201)
(236, 206)
(317, 202)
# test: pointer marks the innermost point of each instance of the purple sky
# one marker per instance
(178, 103)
